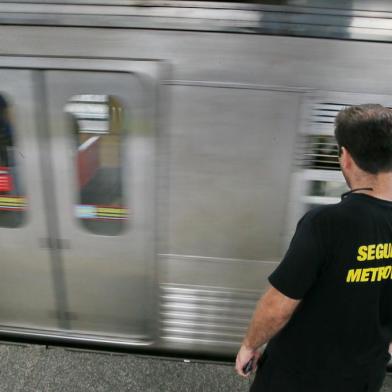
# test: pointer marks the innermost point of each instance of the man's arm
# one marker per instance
(272, 312)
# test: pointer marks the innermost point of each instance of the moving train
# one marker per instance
(155, 157)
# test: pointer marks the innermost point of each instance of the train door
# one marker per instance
(27, 294)
(101, 130)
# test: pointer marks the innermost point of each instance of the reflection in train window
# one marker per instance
(12, 199)
(97, 127)
(328, 188)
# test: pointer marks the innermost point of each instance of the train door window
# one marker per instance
(97, 125)
(12, 199)
(324, 188)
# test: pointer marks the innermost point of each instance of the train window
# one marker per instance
(327, 188)
(12, 200)
(96, 123)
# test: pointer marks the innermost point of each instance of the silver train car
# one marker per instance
(155, 157)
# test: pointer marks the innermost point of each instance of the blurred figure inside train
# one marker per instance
(5, 133)
(12, 201)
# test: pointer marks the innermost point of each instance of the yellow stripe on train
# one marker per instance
(13, 201)
(118, 212)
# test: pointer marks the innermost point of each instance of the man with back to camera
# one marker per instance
(327, 316)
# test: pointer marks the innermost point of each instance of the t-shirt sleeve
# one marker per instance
(301, 266)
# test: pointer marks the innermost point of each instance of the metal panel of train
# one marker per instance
(155, 157)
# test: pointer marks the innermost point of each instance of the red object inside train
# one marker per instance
(5, 180)
(88, 160)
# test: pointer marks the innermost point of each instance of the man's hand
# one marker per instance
(272, 312)
(243, 357)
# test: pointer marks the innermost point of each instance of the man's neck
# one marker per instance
(380, 184)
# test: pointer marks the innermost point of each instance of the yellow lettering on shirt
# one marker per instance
(380, 274)
(373, 273)
(371, 251)
(369, 274)
(380, 251)
(362, 253)
(353, 275)
(387, 272)
(365, 275)
(374, 252)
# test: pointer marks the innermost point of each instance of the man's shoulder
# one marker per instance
(323, 212)
(346, 211)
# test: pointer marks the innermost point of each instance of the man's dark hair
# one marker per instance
(366, 132)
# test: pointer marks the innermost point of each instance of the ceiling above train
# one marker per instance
(369, 5)
(368, 20)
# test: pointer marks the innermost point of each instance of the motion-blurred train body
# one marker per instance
(155, 157)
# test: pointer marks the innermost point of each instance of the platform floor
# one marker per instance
(34, 368)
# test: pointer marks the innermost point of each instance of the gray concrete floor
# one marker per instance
(33, 368)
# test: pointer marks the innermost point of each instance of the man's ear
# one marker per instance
(346, 159)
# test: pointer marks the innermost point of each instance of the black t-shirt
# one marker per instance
(340, 264)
